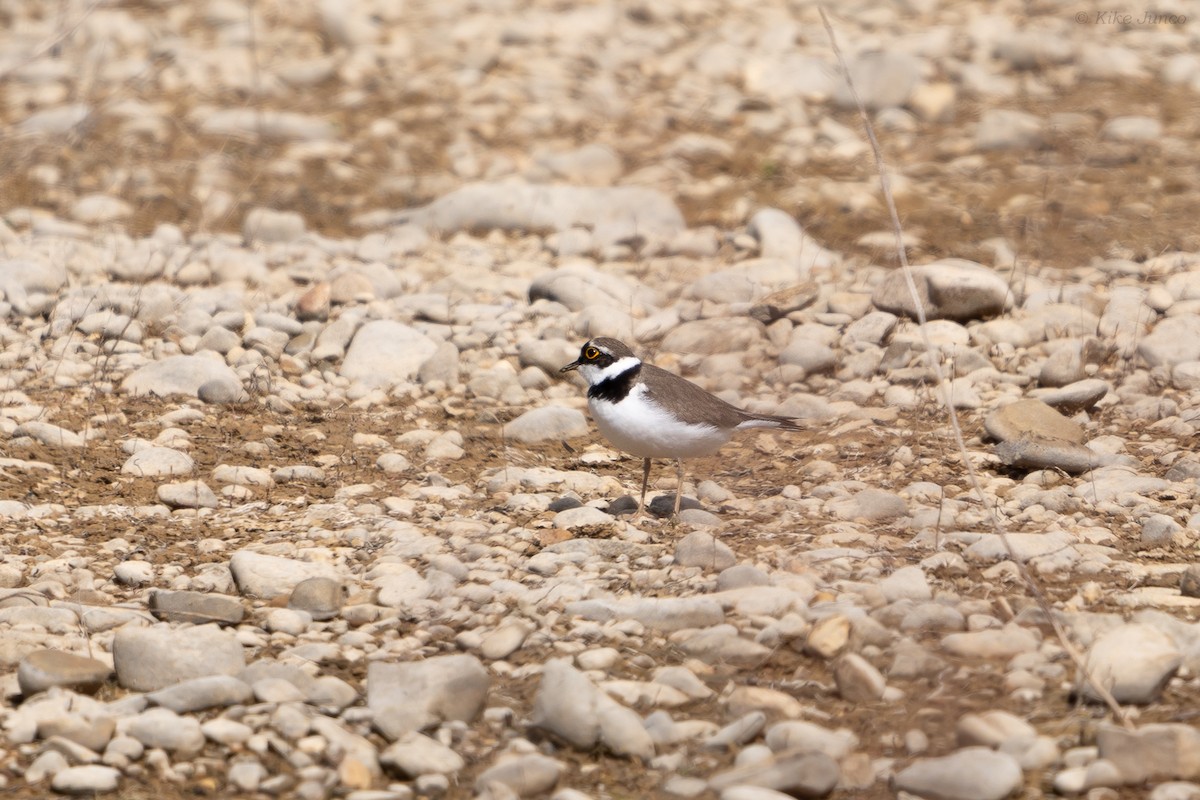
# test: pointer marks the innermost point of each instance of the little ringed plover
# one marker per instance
(651, 413)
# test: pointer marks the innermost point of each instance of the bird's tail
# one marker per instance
(768, 421)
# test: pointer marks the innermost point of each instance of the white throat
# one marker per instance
(594, 375)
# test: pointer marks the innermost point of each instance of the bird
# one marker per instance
(651, 413)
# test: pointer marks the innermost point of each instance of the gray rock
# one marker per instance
(268, 226)
(1159, 530)
(857, 679)
(246, 774)
(56, 120)
(590, 165)
(1132, 129)
(781, 237)
(384, 352)
(1048, 454)
(952, 288)
(441, 366)
(1152, 752)
(700, 549)
(710, 336)
(156, 461)
(1006, 129)
(742, 730)
(572, 708)
(906, 583)
(49, 435)
(526, 775)
(1031, 419)
(1076, 396)
(1134, 662)
(187, 494)
(799, 774)
(579, 286)
(659, 613)
(1174, 340)
(197, 607)
(882, 78)
(148, 659)
(198, 694)
(412, 696)
(875, 505)
(320, 597)
(873, 328)
(813, 357)
(809, 737)
(179, 375)
(266, 576)
(415, 754)
(43, 669)
(505, 640)
(88, 779)
(613, 214)
(973, 773)
(548, 423)
(222, 392)
(1004, 642)
(164, 729)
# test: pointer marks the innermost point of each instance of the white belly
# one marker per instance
(643, 429)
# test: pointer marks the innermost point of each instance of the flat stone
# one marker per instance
(526, 775)
(157, 461)
(569, 706)
(267, 577)
(973, 773)
(320, 597)
(43, 669)
(1152, 752)
(188, 494)
(953, 289)
(197, 694)
(796, 773)
(412, 696)
(385, 352)
(548, 423)
(89, 779)
(179, 375)
(1031, 419)
(164, 729)
(700, 549)
(148, 659)
(1133, 662)
(1034, 454)
(197, 607)
(415, 754)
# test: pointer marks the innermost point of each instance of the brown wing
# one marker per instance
(688, 401)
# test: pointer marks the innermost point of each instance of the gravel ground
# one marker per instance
(295, 503)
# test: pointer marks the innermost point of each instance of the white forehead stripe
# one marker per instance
(617, 367)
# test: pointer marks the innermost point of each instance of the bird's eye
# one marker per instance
(591, 354)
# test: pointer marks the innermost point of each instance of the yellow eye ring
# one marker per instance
(591, 354)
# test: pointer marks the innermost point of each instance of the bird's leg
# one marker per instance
(679, 484)
(645, 480)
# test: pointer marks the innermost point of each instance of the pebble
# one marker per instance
(953, 289)
(44, 669)
(88, 779)
(1133, 662)
(409, 697)
(196, 607)
(147, 659)
(972, 773)
(267, 576)
(549, 423)
(415, 754)
(525, 775)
